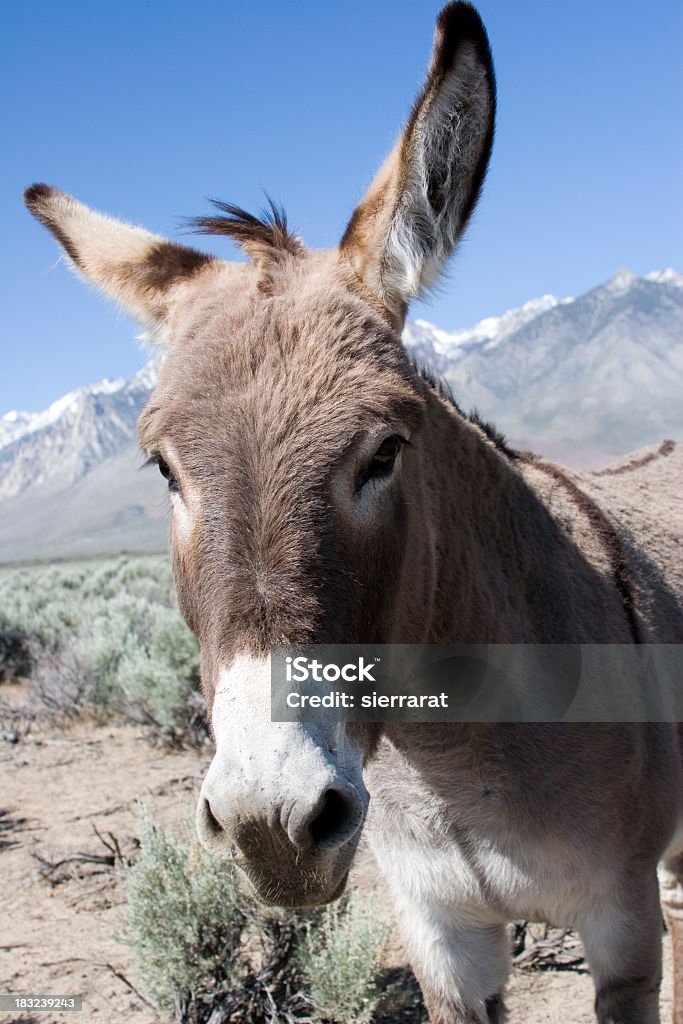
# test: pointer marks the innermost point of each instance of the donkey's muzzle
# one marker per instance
(294, 855)
(318, 825)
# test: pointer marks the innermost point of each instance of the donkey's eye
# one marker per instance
(167, 474)
(383, 460)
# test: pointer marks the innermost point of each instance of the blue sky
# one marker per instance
(145, 109)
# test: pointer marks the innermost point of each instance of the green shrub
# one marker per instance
(15, 653)
(206, 950)
(186, 921)
(106, 636)
(340, 957)
(142, 661)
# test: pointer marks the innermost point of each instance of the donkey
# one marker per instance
(325, 490)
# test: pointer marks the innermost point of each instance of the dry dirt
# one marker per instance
(60, 929)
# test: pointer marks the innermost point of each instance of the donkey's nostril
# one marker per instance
(210, 832)
(336, 818)
(209, 820)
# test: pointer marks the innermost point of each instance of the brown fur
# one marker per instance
(605, 533)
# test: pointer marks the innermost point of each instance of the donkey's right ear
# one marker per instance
(401, 235)
(135, 268)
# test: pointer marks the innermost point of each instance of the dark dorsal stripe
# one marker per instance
(607, 533)
(665, 448)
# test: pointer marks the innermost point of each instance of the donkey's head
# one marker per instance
(293, 431)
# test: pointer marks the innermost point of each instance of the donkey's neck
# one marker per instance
(509, 568)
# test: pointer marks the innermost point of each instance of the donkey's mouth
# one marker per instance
(307, 889)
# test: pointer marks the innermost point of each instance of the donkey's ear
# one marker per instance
(401, 235)
(135, 268)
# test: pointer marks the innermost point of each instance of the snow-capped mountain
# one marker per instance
(14, 425)
(604, 370)
(58, 446)
(580, 379)
(440, 349)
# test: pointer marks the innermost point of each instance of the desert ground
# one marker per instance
(69, 820)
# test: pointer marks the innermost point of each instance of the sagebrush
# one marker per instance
(206, 952)
(104, 637)
(185, 920)
(341, 957)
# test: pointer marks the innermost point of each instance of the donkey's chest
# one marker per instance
(478, 878)
(485, 848)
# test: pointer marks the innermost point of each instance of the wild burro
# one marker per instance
(325, 490)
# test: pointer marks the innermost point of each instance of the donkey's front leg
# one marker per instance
(671, 886)
(623, 943)
(461, 965)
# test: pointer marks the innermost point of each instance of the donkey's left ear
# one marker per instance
(135, 268)
(401, 235)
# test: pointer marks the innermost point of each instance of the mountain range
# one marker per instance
(582, 380)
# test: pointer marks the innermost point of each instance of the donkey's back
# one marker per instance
(627, 519)
(642, 495)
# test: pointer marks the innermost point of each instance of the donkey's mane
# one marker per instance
(256, 234)
(443, 389)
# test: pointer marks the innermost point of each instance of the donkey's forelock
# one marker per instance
(262, 237)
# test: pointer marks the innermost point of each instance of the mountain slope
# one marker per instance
(604, 370)
(51, 450)
(113, 507)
